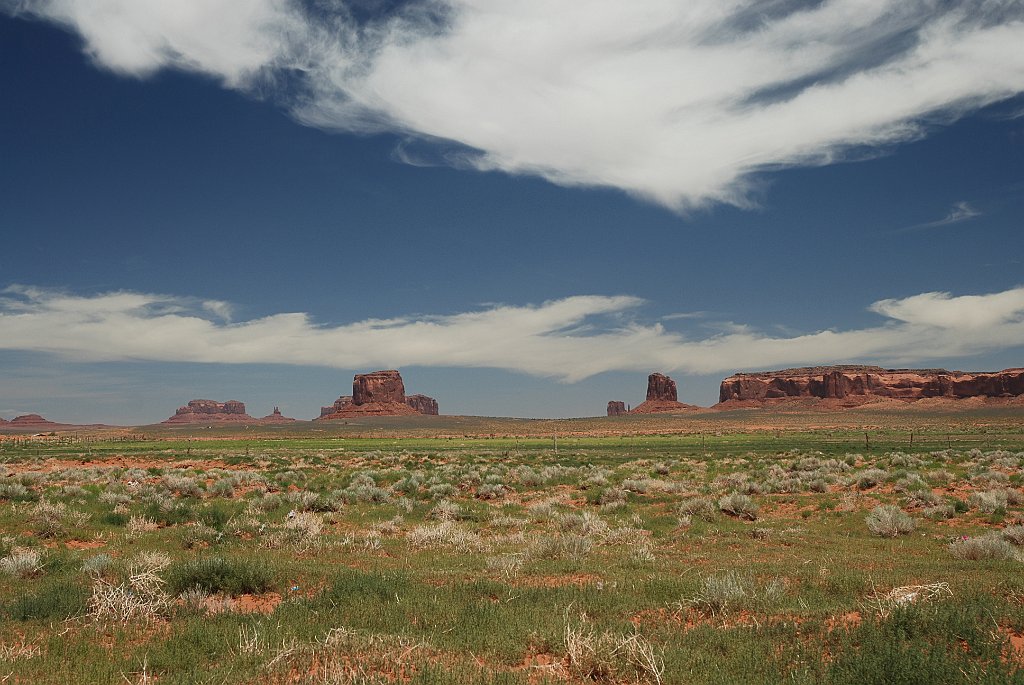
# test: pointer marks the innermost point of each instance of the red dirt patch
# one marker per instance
(243, 604)
(1015, 650)
(848, 620)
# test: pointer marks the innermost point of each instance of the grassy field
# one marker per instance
(739, 548)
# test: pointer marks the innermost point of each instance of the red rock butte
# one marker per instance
(616, 408)
(381, 393)
(206, 411)
(662, 397)
(853, 385)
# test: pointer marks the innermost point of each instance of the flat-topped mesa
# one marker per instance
(616, 408)
(662, 397)
(423, 404)
(205, 411)
(381, 393)
(859, 384)
(276, 417)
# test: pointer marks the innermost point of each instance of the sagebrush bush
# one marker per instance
(22, 562)
(870, 478)
(701, 507)
(739, 505)
(1014, 534)
(990, 546)
(989, 501)
(889, 521)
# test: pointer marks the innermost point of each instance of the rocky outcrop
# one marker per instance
(381, 393)
(661, 388)
(276, 417)
(662, 397)
(616, 408)
(422, 404)
(206, 411)
(852, 385)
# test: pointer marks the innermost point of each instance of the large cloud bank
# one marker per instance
(569, 339)
(682, 103)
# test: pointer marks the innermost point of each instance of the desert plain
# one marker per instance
(767, 545)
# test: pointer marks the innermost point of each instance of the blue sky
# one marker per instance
(525, 213)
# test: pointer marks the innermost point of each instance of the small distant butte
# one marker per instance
(662, 398)
(276, 417)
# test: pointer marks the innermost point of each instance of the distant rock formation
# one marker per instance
(381, 393)
(276, 417)
(616, 408)
(852, 385)
(3, 421)
(422, 404)
(31, 421)
(206, 411)
(338, 405)
(662, 397)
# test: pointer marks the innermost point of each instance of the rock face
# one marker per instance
(206, 411)
(660, 387)
(616, 408)
(381, 393)
(422, 404)
(276, 417)
(662, 397)
(852, 385)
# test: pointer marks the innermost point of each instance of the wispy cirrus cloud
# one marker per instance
(570, 339)
(683, 104)
(958, 213)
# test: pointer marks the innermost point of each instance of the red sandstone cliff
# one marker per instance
(852, 385)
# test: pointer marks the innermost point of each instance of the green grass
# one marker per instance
(375, 587)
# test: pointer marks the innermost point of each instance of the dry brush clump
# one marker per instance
(302, 530)
(22, 562)
(898, 597)
(139, 596)
(730, 590)
(607, 657)
(445, 534)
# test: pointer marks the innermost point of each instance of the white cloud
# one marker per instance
(679, 103)
(960, 212)
(570, 339)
